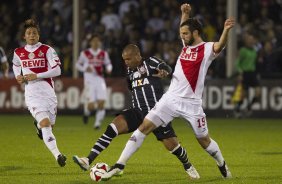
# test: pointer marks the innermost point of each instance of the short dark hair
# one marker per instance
(193, 24)
(31, 23)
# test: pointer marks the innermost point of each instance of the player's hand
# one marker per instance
(89, 69)
(229, 23)
(161, 74)
(30, 77)
(20, 79)
(186, 8)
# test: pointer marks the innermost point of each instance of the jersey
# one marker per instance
(37, 58)
(146, 89)
(191, 69)
(94, 59)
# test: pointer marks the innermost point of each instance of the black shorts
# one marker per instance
(250, 80)
(134, 117)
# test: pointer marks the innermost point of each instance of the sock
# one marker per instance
(100, 114)
(131, 146)
(254, 100)
(103, 142)
(181, 154)
(50, 141)
(238, 105)
(86, 110)
(214, 151)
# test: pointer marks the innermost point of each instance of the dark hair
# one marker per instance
(31, 23)
(94, 35)
(193, 24)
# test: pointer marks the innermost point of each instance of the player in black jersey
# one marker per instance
(144, 77)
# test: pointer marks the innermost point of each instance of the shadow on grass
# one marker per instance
(269, 153)
(10, 168)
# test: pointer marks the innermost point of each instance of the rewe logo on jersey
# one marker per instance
(190, 56)
(33, 63)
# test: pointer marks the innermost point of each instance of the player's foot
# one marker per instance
(225, 171)
(82, 162)
(116, 170)
(62, 160)
(192, 172)
(85, 119)
(38, 131)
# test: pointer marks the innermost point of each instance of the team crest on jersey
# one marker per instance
(136, 75)
(142, 70)
(40, 54)
(31, 55)
(188, 50)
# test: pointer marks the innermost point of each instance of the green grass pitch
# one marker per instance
(251, 147)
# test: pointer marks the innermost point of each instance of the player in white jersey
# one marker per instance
(92, 62)
(4, 63)
(184, 96)
(34, 66)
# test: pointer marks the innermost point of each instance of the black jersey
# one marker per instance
(146, 89)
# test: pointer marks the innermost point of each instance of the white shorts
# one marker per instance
(95, 90)
(43, 108)
(170, 107)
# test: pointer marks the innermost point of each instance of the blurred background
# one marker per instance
(154, 26)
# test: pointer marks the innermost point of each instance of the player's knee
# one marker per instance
(91, 106)
(204, 141)
(45, 122)
(121, 124)
(147, 127)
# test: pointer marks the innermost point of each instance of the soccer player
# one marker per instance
(146, 89)
(91, 62)
(4, 63)
(246, 66)
(184, 96)
(34, 65)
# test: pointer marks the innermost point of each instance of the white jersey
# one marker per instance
(37, 58)
(191, 69)
(96, 60)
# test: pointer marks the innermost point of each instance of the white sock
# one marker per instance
(131, 146)
(214, 151)
(100, 115)
(86, 110)
(50, 141)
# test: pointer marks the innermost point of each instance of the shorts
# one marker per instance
(43, 108)
(171, 106)
(95, 90)
(250, 80)
(134, 117)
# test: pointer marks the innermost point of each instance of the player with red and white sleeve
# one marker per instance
(184, 96)
(34, 65)
(92, 62)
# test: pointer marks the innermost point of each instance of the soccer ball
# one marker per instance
(98, 170)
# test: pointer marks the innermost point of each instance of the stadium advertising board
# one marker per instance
(216, 98)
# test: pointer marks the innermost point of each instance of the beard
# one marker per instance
(191, 41)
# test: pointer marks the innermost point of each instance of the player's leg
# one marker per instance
(168, 137)
(214, 151)
(200, 128)
(131, 147)
(126, 122)
(88, 104)
(100, 114)
(45, 122)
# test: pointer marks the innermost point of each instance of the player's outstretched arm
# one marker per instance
(218, 46)
(185, 11)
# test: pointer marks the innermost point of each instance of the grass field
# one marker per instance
(252, 149)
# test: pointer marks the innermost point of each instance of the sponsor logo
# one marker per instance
(33, 63)
(165, 132)
(50, 139)
(22, 55)
(133, 138)
(189, 55)
(140, 82)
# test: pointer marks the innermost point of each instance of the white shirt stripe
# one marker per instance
(137, 99)
(153, 59)
(146, 68)
(145, 98)
(153, 91)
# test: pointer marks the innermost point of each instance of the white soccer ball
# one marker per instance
(98, 170)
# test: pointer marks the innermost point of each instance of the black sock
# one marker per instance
(254, 100)
(103, 142)
(181, 154)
